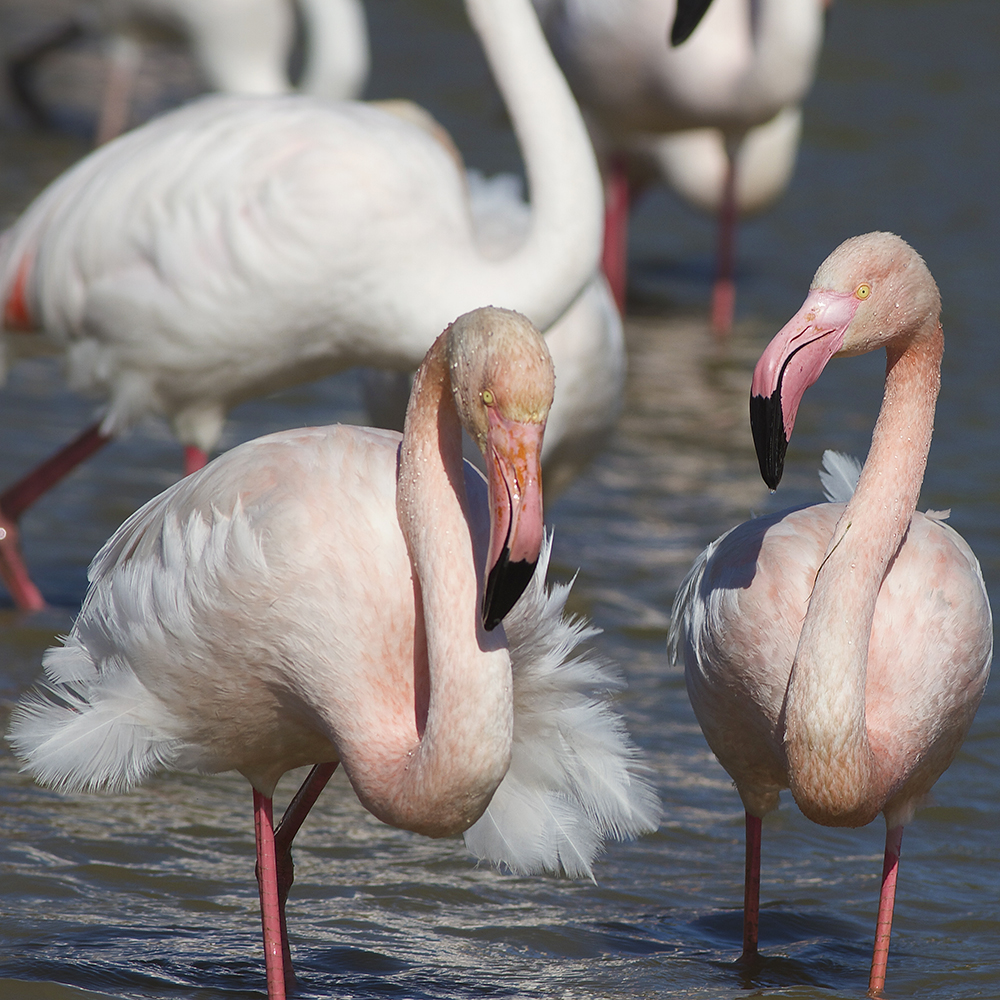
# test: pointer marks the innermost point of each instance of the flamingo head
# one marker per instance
(870, 290)
(503, 382)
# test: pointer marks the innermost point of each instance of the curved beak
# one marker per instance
(514, 478)
(687, 17)
(789, 365)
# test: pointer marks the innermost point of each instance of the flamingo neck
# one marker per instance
(442, 783)
(544, 276)
(337, 59)
(834, 775)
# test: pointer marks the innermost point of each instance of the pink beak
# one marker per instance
(789, 365)
(514, 478)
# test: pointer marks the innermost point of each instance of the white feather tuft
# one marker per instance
(575, 777)
(839, 475)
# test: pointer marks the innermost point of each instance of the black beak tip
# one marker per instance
(688, 17)
(504, 586)
(770, 441)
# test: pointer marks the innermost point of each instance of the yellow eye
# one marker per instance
(488, 397)
(863, 290)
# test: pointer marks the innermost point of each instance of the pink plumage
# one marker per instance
(841, 650)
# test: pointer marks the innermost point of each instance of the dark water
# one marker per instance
(152, 894)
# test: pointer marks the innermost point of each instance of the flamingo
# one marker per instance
(241, 47)
(241, 244)
(697, 113)
(841, 650)
(334, 595)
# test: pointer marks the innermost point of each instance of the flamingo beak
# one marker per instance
(789, 365)
(514, 478)
(687, 17)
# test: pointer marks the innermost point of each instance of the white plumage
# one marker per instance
(329, 595)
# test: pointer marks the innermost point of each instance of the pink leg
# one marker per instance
(270, 900)
(887, 899)
(123, 70)
(275, 874)
(724, 289)
(17, 498)
(614, 261)
(751, 889)
(194, 459)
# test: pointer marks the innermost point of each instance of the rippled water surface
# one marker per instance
(152, 894)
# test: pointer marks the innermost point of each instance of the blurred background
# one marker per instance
(152, 894)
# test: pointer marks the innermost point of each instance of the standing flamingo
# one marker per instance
(240, 245)
(841, 650)
(332, 595)
(240, 46)
(696, 112)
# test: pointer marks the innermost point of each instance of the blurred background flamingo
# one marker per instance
(240, 47)
(246, 244)
(717, 116)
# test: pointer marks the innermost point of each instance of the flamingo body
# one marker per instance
(335, 595)
(717, 117)
(841, 650)
(240, 245)
(920, 705)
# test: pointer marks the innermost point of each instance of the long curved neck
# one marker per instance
(337, 59)
(444, 782)
(545, 274)
(834, 775)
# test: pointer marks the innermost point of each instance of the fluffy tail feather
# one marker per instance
(575, 778)
(79, 732)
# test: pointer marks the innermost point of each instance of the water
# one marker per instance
(151, 895)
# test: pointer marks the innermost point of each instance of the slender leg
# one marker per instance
(887, 899)
(724, 289)
(751, 889)
(123, 69)
(270, 905)
(14, 501)
(275, 874)
(194, 459)
(614, 261)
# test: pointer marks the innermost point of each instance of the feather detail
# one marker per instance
(575, 778)
(839, 475)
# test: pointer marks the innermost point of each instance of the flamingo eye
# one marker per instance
(488, 398)
(863, 290)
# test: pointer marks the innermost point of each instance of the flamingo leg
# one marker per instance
(275, 874)
(17, 498)
(724, 289)
(887, 899)
(270, 900)
(194, 459)
(123, 70)
(614, 259)
(751, 889)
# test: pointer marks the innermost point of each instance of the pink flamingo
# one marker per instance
(841, 650)
(333, 595)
